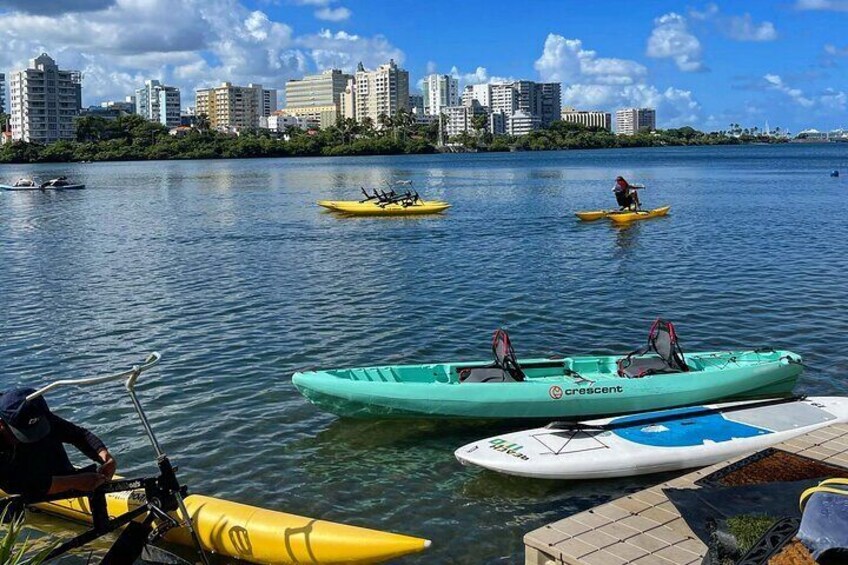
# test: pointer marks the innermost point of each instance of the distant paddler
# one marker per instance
(626, 195)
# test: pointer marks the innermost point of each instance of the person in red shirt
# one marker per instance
(625, 194)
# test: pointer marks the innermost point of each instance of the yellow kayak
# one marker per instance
(258, 535)
(371, 208)
(624, 217)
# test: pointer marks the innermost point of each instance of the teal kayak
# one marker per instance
(550, 388)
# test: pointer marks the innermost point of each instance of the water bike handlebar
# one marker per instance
(130, 375)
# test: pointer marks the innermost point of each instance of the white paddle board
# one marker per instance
(652, 442)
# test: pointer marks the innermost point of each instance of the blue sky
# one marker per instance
(701, 63)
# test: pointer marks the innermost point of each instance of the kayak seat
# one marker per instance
(643, 366)
(664, 354)
(505, 368)
(485, 375)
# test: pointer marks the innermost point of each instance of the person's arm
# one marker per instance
(84, 482)
(88, 443)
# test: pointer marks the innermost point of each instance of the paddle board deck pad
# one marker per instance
(258, 535)
(652, 442)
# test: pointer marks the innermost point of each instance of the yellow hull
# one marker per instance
(370, 208)
(625, 217)
(258, 535)
(592, 215)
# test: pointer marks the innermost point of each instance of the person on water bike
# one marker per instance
(626, 195)
(33, 461)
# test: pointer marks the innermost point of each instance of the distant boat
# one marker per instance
(28, 184)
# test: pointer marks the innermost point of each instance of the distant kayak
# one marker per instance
(625, 217)
(652, 442)
(34, 188)
(372, 208)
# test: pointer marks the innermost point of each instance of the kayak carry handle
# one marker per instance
(130, 375)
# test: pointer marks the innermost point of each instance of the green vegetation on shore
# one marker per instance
(131, 138)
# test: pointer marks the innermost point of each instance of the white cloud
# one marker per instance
(339, 14)
(672, 39)
(831, 49)
(738, 28)
(479, 76)
(742, 28)
(565, 60)
(775, 82)
(825, 104)
(189, 43)
(593, 82)
(827, 5)
(342, 50)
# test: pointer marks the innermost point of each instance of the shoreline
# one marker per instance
(31, 159)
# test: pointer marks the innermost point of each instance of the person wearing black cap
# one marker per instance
(33, 460)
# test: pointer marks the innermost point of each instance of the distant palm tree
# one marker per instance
(201, 122)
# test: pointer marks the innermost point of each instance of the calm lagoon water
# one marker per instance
(233, 273)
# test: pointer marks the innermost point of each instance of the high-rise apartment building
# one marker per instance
(2, 94)
(416, 102)
(588, 118)
(460, 119)
(230, 107)
(323, 89)
(482, 93)
(503, 99)
(440, 91)
(629, 121)
(269, 99)
(550, 98)
(158, 103)
(383, 91)
(322, 93)
(44, 101)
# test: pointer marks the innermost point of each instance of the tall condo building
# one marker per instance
(633, 120)
(158, 103)
(45, 100)
(269, 99)
(382, 91)
(503, 99)
(440, 91)
(482, 93)
(2, 95)
(588, 118)
(230, 107)
(416, 101)
(550, 98)
(318, 97)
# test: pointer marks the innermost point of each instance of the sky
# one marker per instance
(704, 64)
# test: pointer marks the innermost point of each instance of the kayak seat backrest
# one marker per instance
(504, 369)
(662, 354)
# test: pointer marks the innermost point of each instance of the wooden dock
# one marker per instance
(645, 528)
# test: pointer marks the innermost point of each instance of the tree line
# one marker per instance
(131, 137)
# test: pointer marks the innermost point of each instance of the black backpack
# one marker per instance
(667, 355)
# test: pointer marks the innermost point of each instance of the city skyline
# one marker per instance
(702, 64)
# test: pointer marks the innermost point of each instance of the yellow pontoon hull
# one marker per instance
(258, 535)
(371, 208)
(625, 217)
